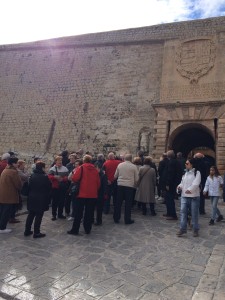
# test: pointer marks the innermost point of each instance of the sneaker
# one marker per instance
(220, 218)
(211, 222)
(70, 218)
(195, 233)
(7, 230)
(181, 232)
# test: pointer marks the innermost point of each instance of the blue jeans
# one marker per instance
(193, 203)
(215, 210)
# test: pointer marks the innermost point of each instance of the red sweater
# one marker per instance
(89, 181)
(3, 165)
(110, 168)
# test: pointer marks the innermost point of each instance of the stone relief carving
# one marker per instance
(195, 58)
(144, 140)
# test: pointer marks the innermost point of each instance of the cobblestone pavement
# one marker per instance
(145, 260)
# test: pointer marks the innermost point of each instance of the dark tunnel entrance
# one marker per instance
(192, 137)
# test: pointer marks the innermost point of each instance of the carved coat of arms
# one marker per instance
(195, 58)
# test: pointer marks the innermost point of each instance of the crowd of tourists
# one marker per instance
(80, 188)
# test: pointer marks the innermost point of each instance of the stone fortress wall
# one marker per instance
(98, 91)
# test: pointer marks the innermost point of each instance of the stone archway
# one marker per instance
(191, 136)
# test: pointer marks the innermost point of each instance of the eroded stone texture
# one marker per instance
(122, 91)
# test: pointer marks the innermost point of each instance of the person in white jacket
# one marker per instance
(214, 183)
(190, 197)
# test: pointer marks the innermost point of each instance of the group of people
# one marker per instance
(80, 188)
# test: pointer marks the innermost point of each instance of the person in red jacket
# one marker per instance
(89, 180)
(110, 168)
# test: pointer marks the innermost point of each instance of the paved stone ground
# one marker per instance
(143, 261)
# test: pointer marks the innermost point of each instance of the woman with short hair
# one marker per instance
(146, 186)
(39, 196)
(10, 186)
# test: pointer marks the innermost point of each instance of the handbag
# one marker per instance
(140, 178)
(76, 185)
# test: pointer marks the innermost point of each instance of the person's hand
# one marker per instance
(188, 192)
(167, 188)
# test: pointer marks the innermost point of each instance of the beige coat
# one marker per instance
(126, 174)
(146, 189)
(10, 186)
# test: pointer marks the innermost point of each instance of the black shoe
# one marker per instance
(39, 235)
(27, 233)
(144, 213)
(116, 221)
(202, 212)
(87, 231)
(98, 223)
(172, 218)
(53, 218)
(62, 217)
(165, 215)
(129, 222)
(153, 213)
(211, 222)
(220, 218)
(72, 232)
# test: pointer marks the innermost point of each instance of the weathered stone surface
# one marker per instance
(116, 91)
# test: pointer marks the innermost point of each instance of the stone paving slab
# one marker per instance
(143, 261)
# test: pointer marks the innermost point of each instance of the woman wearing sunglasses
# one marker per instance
(190, 197)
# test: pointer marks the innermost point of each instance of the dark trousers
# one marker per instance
(152, 208)
(58, 201)
(37, 222)
(99, 209)
(111, 192)
(83, 208)
(123, 193)
(5, 212)
(13, 211)
(170, 203)
(68, 200)
(73, 201)
(202, 203)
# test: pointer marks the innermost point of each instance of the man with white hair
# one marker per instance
(127, 177)
(110, 168)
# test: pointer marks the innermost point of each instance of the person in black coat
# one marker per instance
(173, 176)
(39, 196)
(102, 194)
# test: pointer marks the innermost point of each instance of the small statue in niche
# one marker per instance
(144, 138)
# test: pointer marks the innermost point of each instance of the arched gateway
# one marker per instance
(191, 128)
(192, 137)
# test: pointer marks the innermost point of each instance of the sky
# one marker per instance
(33, 20)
